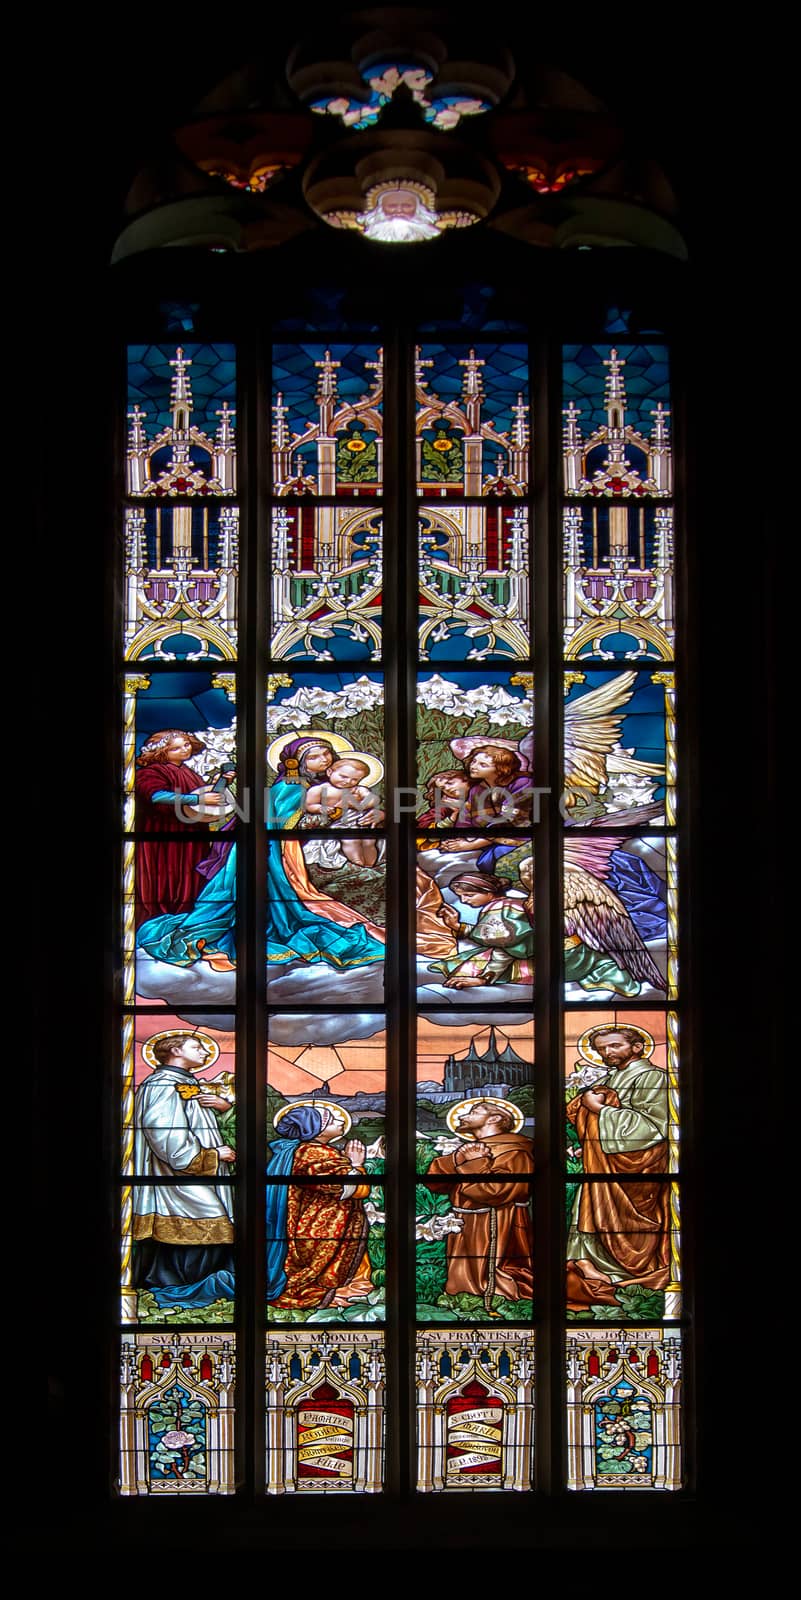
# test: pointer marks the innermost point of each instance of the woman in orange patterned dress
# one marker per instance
(316, 1233)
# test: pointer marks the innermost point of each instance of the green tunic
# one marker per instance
(499, 947)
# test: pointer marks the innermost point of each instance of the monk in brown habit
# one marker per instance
(492, 1253)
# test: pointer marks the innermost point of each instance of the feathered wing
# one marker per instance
(592, 852)
(621, 819)
(599, 918)
(624, 761)
(592, 729)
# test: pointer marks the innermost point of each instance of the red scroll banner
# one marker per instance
(325, 1435)
(474, 1432)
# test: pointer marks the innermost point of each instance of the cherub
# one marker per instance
(343, 801)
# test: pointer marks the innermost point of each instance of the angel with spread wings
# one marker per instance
(597, 772)
(603, 947)
(607, 892)
(598, 923)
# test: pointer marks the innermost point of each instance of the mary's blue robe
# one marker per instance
(294, 931)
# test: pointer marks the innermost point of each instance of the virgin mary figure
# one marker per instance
(303, 924)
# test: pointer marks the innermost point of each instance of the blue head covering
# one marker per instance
(301, 1122)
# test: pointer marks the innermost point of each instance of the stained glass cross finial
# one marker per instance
(181, 393)
(225, 433)
(280, 413)
(661, 431)
(377, 367)
(571, 414)
(520, 426)
(327, 387)
(472, 388)
(136, 419)
(615, 391)
(419, 364)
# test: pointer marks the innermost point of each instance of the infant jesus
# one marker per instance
(343, 802)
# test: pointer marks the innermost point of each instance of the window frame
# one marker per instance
(558, 278)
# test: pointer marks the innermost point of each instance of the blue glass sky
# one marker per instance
(184, 700)
(645, 378)
(212, 376)
(296, 377)
(504, 376)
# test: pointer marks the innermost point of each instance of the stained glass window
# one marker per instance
(622, 1211)
(398, 795)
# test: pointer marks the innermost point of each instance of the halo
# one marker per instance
(483, 1100)
(181, 1033)
(463, 746)
(336, 741)
(587, 1053)
(423, 191)
(331, 1105)
(376, 767)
